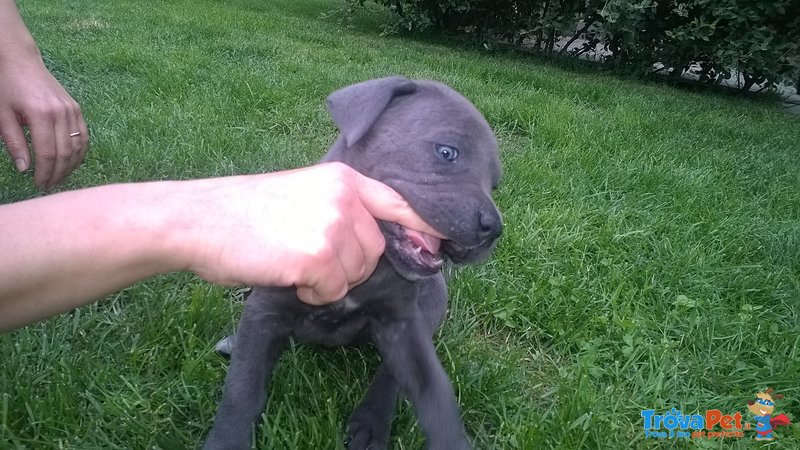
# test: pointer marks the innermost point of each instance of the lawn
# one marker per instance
(650, 260)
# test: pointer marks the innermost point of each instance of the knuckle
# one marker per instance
(44, 112)
(46, 155)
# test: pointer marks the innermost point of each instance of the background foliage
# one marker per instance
(759, 39)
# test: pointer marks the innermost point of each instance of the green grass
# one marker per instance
(651, 257)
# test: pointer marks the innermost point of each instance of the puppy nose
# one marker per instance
(491, 226)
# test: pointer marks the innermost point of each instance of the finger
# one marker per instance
(15, 142)
(351, 257)
(43, 142)
(83, 138)
(310, 295)
(371, 242)
(385, 203)
(76, 142)
(72, 127)
(326, 285)
(306, 295)
(62, 166)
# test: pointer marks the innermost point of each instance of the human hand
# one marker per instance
(30, 96)
(313, 228)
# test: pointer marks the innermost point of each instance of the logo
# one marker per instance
(673, 424)
(762, 410)
(713, 423)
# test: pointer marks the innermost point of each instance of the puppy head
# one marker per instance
(432, 146)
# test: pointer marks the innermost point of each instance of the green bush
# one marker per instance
(758, 39)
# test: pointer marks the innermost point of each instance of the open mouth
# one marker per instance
(417, 254)
(421, 248)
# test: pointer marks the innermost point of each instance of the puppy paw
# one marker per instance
(453, 443)
(364, 434)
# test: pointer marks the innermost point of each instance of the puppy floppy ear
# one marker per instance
(355, 108)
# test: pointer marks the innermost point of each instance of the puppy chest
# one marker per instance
(340, 323)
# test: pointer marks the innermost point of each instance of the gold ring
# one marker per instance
(77, 133)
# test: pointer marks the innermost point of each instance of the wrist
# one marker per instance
(17, 46)
(21, 53)
(210, 227)
(182, 223)
(154, 217)
(18, 61)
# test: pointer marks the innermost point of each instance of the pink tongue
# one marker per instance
(427, 242)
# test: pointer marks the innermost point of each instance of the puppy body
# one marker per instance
(403, 133)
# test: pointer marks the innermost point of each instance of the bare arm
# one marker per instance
(31, 97)
(15, 40)
(312, 228)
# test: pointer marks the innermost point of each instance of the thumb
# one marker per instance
(384, 203)
(15, 142)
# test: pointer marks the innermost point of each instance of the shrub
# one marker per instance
(758, 39)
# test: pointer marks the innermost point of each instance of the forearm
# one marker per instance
(65, 250)
(16, 43)
(313, 228)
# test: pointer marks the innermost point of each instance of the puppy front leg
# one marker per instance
(259, 343)
(370, 423)
(408, 351)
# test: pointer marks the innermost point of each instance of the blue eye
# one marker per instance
(446, 152)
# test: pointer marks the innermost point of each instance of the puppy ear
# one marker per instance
(355, 108)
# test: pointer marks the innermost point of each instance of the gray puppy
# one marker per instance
(433, 147)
